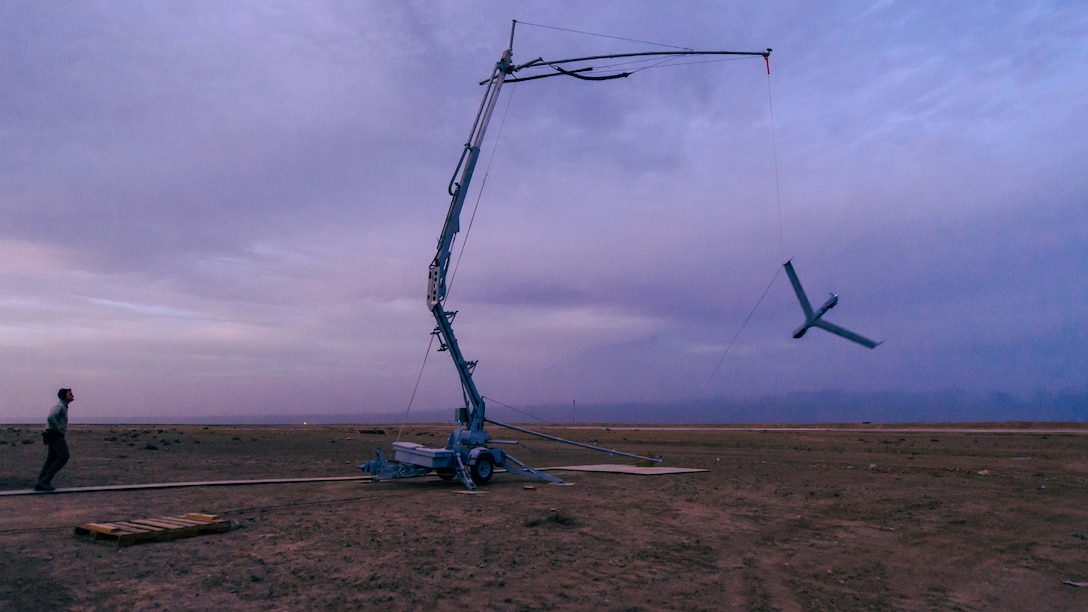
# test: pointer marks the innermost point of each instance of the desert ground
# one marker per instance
(970, 517)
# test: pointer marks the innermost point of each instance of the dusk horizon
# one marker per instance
(825, 407)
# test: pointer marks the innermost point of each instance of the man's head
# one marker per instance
(65, 395)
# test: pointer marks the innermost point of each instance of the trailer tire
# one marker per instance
(483, 469)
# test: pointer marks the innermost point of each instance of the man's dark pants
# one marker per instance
(55, 460)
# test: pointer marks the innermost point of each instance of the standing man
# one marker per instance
(53, 436)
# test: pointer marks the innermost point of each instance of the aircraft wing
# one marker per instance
(845, 333)
(797, 289)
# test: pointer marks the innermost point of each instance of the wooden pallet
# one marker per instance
(125, 533)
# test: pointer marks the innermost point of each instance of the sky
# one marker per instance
(213, 208)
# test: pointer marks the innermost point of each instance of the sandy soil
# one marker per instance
(851, 518)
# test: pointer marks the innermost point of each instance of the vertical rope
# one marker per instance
(777, 180)
(781, 241)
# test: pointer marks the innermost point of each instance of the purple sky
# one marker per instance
(213, 208)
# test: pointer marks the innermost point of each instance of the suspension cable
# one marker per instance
(777, 179)
(781, 240)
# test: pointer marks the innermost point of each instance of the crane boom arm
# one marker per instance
(439, 268)
(458, 191)
(458, 187)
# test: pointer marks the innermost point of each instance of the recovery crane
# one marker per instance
(469, 453)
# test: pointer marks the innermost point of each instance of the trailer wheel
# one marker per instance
(447, 475)
(484, 468)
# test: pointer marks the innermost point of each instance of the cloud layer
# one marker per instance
(211, 209)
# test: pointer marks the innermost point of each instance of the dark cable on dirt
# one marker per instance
(302, 504)
(236, 511)
(33, 529)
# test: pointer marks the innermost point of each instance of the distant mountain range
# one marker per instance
(834, 407)
(948, 406)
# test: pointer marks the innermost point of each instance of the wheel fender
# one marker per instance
(496, 455)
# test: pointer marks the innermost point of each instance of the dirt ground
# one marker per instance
(848, 518)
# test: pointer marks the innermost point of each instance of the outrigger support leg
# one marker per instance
(521, 468)
(462, 473)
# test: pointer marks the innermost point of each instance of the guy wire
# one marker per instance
(737, 335)
(571, 31)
